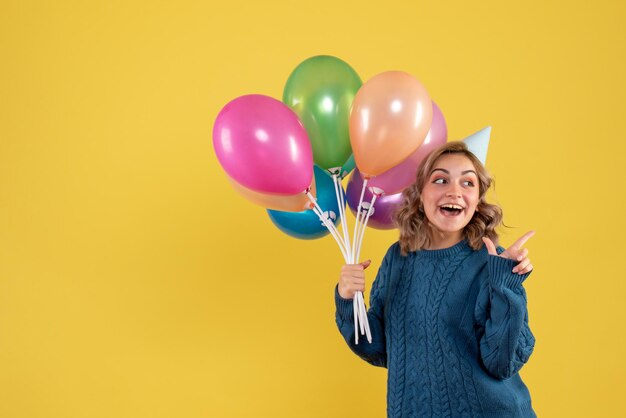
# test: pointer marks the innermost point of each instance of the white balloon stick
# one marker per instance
(357, 245)
(327, 223)
(332, 232)
(362, 312)
(359, 300)
(314, 201)
(355, 310)
(359, 234)
(365, 321)
(342, 213)
(344, 220)
(369, 212)
(356, 226)
(348, 251)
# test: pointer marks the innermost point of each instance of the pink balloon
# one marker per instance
(399, 177)
(262, 145)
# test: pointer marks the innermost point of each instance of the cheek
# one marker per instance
(472, 205)
(473, 200)
(429, 209)
(429, 197)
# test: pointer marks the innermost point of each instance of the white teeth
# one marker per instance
(452, 206)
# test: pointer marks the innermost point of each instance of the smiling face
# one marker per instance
(450, 195)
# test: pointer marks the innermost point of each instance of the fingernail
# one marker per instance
(515, 270)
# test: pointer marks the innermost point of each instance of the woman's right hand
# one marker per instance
(352, 279)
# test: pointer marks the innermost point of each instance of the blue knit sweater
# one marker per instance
(451, 327)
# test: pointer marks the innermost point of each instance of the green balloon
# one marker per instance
(320, 90)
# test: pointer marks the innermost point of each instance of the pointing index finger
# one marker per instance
(517, 244)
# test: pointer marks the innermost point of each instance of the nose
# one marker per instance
(453, 191)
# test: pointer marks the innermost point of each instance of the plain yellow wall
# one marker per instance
(134, 282)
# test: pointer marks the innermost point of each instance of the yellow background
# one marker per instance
(134, 282)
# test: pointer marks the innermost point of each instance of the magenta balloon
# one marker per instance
(261, 144)
(399, 177)
(384, 207)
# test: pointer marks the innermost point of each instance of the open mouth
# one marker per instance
(450, 210)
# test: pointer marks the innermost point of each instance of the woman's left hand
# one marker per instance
(514, 252)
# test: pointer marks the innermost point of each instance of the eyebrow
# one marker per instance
(447, 172)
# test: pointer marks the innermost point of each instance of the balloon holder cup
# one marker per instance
(376, 191)
(334, 171)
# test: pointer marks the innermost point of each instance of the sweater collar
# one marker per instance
(445, 252)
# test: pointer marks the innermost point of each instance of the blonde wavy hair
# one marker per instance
(412, 221)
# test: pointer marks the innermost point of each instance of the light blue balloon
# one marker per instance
(306, 224)
(345, 169)
(478, 143)
(348, 167)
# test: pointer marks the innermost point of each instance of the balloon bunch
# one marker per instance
(291, 156)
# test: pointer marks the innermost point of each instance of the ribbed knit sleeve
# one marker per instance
(375, 352)
(506, 341)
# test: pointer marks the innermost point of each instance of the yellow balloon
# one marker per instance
(288, 203)
(390, 117)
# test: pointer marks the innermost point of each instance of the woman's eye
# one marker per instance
(441, 180)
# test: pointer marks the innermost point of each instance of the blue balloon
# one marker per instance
(306, 224)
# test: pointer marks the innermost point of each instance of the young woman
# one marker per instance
(448, 313)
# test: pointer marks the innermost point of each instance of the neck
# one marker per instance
(440, 240)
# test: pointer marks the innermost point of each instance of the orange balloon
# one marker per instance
(390, 117)
(288, 203)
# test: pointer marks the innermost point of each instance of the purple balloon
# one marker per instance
(262, 145)
(399, 177)
(384, 207)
